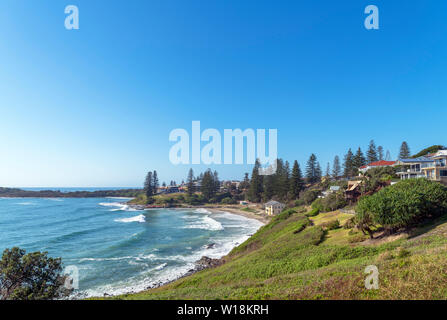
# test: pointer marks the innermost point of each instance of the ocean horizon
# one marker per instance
(118, 249)
(74, 189)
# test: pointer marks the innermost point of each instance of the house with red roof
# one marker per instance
(377, 164)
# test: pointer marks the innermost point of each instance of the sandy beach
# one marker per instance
(235, 210)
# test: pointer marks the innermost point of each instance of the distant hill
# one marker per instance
(19, 193)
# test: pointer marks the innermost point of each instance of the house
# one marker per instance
(168, 189)
(432, 167)
(331, 190)
(377, 164)
(353, 192)
(273, 208)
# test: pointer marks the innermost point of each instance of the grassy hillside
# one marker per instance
(294, 257)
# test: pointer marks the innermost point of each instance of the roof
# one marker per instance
(419, 159)
(353, 186)
(381, 163)
(273, 203)
(335, 188)
(440, 153)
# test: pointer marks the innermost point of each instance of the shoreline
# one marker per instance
(204, 262)
(239, 212)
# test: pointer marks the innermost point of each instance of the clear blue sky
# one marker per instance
(94, 107)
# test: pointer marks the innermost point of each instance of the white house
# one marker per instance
(273, 208)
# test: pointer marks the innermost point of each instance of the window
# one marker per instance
(443, 173)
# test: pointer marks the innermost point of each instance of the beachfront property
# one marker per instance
(377, 164)
(329, 191)
(272, 208)
(230, 185)
(432, 167)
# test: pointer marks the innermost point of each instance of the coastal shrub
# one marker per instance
(329, 203)
(357, 238)
(349, 224)
(331, 225)
(299, 203)
(32, 276)
(333, 202)
(309, 196)
(284, 215)
(317, 204)
(313, 212)
(228, 200)
(402, 205)
(194, 199)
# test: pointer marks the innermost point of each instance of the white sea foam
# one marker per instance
(202, 210)
(119, 206)
(205, 223)
(159, 268)
(26, 203)
(140, 218)
(120, 198)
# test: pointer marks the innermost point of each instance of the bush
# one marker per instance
(404, 204)
(308, 196)
(284, 215)
(313, 212)
(32, 276)
(349, 224)
(332, 202)
(317, 204)
(331, 225)
(357, 238)
(228, 200)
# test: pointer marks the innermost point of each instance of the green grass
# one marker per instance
(292, 257)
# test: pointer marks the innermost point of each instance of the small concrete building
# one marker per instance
(273, 208)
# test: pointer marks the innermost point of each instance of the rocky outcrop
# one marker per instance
(206, 262)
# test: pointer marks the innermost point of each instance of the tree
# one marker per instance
(32, 276)
(328, 170)
(190, 182)
(149, 186)
(348, 164)
(281, 179)
(371, 154)
(336, 169)
(216, 182)
(208, 185)
(245, 184)
(388, 155)
(401, 205)
(404, 152)
(269, 186)
(255, 191)
(313, 169)
(359, 159)
(296, 181)
(155, 183)
(380, 153)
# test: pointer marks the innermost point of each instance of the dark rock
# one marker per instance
(210, 246)
(206, 262)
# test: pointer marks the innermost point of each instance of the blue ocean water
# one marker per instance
(70, 189)
(118, 249)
